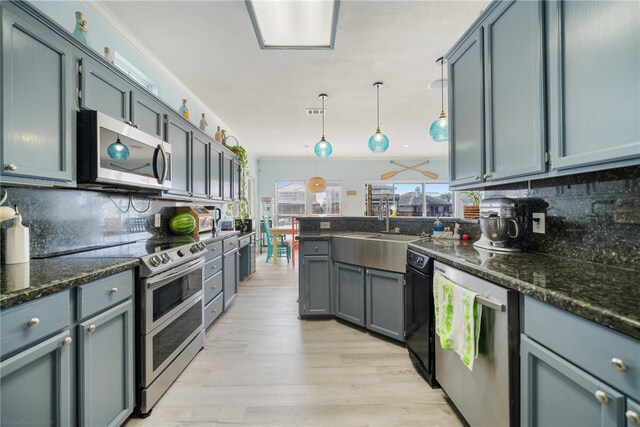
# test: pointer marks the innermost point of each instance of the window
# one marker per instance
(293, 199)
(327, 202)
(410, 199)
(133, 72)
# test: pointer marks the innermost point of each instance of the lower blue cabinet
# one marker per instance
(557, 393)
(385, 303)
(349, 299)
(35, 384)
(315, 289)
(106, 367)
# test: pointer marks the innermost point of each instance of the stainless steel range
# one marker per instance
(169, 314)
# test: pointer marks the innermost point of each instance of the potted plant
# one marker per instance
(239, 151)
(472, 210)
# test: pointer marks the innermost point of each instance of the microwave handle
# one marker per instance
(160, 149)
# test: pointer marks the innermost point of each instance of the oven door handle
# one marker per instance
(161, 279)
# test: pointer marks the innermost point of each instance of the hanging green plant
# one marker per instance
(239, 151)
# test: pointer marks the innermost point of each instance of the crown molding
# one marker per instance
(105, 14)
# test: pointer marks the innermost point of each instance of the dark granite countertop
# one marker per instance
(604, 294)
(20, 283)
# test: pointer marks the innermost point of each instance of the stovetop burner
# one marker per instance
(156, 254)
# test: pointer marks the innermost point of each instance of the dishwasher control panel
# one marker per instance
(418, 261)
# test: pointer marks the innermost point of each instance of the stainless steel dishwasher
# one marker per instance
(488, 395)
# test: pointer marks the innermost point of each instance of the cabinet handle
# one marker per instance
(359, 270)
(214, 287)
(113, 290)
(215, 311)
(316, 249)
(135, 126)
(632, 417)
(33, 322)
(129, 122)
(602, 397)
(91, 328)
(477, 178)
(487, 176)
(11, 167)
(618, 364)
(67, 341)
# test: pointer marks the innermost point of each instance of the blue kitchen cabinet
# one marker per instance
(35, 385)
(384, 291)
(633, 413)
(215, 171)
(200, 165)
(106, 367)
(557, 393)
(230, 270)
(179, 136)
(38, 102)
(104, 90)
(148, 114)
(466, 113)
(349, 293)
(315, 285)
(227, 177)
(237, 180)
(514, 90)
(593, 64)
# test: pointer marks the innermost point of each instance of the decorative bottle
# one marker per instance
(17, 242)
(203, 123)
(183, 110)
(107, 54)
(218, 135)
(82, 28)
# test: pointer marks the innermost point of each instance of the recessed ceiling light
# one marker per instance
(406, 146)
(294, 24)
(438, 84)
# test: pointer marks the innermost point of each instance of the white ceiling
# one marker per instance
(262, 94)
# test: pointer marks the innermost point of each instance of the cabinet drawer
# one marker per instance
(212, 267)
(245, 241)
(32, 321)
(315, 247)
(99, 295)
(230, 244)
(213, 310)
(586, 344)
(212, 287)
(213, 250)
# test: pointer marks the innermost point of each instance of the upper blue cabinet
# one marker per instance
(539, 89)
(38, 102)
(593, 64)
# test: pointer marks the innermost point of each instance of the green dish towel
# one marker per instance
(458, 317)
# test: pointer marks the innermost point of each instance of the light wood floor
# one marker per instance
(262, 366)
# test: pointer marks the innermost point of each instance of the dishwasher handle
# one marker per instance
(479, 299)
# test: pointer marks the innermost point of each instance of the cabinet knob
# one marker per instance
(33, 322)
(477, 177)
(135, 126)
(129, 122)
(602, 397)
(91, 328)
(67, 341)
(11, 167)
(113, 290)
(618, 364)
(632, 417)
(214, 287)
(316, 249)
(487, 176)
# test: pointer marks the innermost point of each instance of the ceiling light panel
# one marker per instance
(294, 24)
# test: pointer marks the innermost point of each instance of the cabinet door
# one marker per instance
(349, 284)
(179, 136)
(35, 384)
(466, 107)
(227, 178)
(200, 166)
(215, 172)
(38, 102)
(385, 303)
(633, 413)
(105, 91)
(593, 53)
(105, 367)
(555, 392)
(316, 286)
(237, 180)
(514, 90)
(147, 114)
(230, 277)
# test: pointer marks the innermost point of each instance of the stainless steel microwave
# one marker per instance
(115, 154)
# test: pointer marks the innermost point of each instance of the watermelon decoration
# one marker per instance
(182, 223)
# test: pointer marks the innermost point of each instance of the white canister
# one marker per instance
(17, 243)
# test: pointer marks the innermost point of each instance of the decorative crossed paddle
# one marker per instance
(391, 174)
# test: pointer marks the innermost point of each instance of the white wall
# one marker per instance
(351, 173)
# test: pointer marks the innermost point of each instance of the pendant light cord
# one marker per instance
(324, 112)
(442, 84)
(378, 104)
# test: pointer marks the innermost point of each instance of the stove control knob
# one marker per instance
(165, 258)
(154, 260)
(181, 253)
(202, 246)
(193, 249)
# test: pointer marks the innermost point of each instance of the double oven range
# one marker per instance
(169, 310)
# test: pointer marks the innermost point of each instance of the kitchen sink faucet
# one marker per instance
(386, 211)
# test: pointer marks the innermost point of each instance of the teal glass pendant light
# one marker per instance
(117, 150)
(323, 147)
(378, 143)
(439, 129)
